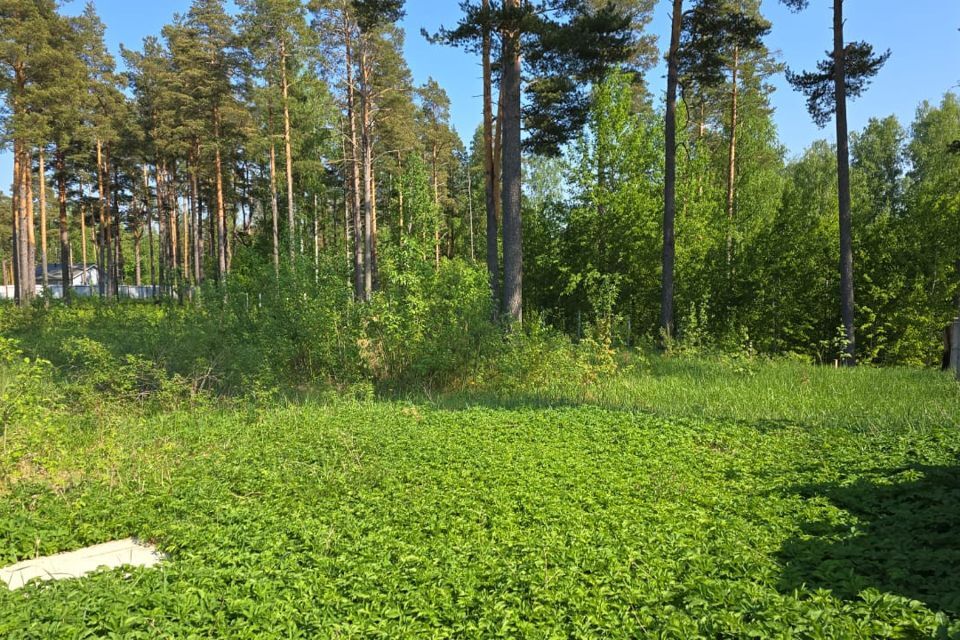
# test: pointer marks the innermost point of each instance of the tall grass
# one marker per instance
(755, 390)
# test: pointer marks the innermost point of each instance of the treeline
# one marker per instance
(285, 127)
(291, 134)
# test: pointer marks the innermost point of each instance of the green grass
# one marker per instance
(756, 391)
(553, 496)
(399, 519)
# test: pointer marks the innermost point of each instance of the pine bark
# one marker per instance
(843, 184)
(366, 145)
(435, 178)
(221, 206)
(732, 156)
(103, 279)
(670, 177)
(42, 185)
(358, 244)
(197, 225)
(84, 278)
(512, 222)
(66, 269)
(275, 210)
(197, 214)
(19, 259)
(289, 150)
(29, 223)
(149, 223)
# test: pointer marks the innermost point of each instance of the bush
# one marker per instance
(25, 393)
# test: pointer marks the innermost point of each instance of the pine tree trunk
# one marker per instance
(435, 178)
(117, 245)
(149, 222)
(186, 242)
(732, 157)
(42, 185)
(316, 240)
(197, 215)
(195, 223)
(366, 146)
(25, 280)
(489, 170)
(400, 228)
(843, 184)
(221, 206)
(84, 278)
(374, 269)
(670, 177)
(358, 248)
(512, 222)
(275, 210)
(19, 257)
(498, 196)
(473, 255)
(66, 268)
(29, 223)
(289, 150)
(137, 239)
(103, 241)
(170, 190)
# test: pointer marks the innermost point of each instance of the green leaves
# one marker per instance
(387, 520)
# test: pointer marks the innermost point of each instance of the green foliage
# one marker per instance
(401, 519)
(25, 395)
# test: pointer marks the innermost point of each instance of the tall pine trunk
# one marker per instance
(29, 223)
(66, 269)
(473, 255)
(221, 206)
(274, 210)
(512, 222)
(732, 157)
(358, 275)
(103, 275)
(84, 277)
(197, 215)
(149, 222)
(374, 269)
(42, 185)
(843, 184)
(435, 179)
(366, 146)
(137, 240)
(289, 150)
(670, 177)
(19, 255)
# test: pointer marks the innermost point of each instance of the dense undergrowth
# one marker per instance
(403, 469)
(404, 520)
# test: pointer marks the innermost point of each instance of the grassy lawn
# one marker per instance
(687, 499)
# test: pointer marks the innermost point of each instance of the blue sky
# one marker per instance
(922, 34)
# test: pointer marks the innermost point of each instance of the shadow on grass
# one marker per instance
(906, 539)
(526, 401)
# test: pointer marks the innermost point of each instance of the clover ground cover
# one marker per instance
(403, 520)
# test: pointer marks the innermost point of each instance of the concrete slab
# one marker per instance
(76, 564)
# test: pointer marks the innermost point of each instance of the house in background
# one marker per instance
(89, 275)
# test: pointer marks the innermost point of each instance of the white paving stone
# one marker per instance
(76, 564)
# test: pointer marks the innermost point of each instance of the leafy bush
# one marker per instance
(26, 395)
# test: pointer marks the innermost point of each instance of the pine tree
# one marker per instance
(698, 39)
(845, 73)
(275, 32)
(28, 59)
(567, 46)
